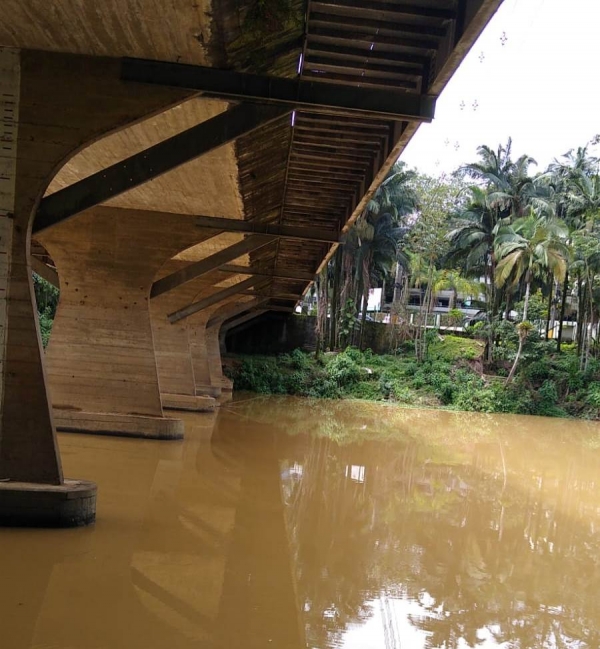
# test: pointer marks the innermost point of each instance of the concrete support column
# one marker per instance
(101, 361)
(206, 349)
(184, 365)
(50, 105)
(213, 348)
(172, 348)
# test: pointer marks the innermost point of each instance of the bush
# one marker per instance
(324, 388)
(46, 322)
(592, 398)
(296, 383)
(343, 370)
(261, 377)
(538, 371)
(481, 400)
(547, 383)
(454, 348)
(299, 360)
(366, 390)
(354, 354)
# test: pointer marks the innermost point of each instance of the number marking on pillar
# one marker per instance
(9, 110)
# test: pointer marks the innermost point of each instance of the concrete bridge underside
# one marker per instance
(175, 170)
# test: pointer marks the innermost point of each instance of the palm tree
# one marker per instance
(508, 184)
(575, 192)
(472, 238)
(472, 244)
(453, 280)
(528, 248)
(378, 237)
(395, 195)
(371, 246)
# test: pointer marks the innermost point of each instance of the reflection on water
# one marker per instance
(286, 523)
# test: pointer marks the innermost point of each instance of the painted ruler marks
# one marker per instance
(10, 80)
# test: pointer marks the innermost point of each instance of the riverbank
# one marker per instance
(452, 377)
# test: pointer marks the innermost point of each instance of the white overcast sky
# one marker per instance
(541, 87)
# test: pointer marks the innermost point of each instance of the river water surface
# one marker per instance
(297, 524)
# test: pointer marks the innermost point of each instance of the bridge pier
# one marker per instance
(102, 365)
(173, 350)
(51, 105)
(205, 330)
(188, 362)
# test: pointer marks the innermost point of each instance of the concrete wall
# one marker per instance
(279, 333)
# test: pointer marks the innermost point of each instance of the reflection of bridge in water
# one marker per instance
(294, 526)
(192, 554)
(178, 168)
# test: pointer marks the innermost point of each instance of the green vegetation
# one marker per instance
(518, 256)
(46, 297)
(547, 384)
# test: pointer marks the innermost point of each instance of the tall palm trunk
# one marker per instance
(366, 278)
(335, 298)
(522, 331)
(397, 286)
(581, 313)
(563, 306)
(550, 295)
(527, 293)
(363, 317)
(357, 305)
(491, 297)
(426, 306)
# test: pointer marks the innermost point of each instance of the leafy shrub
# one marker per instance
(324, 388)
(354, 354)
(454, 348)
(46, 322)
(296, 382)
(548, 393)
(402, 393)
(260, 377)
(299, 360)
(592, 397)
(538, 371)
(343, 370)
(366, 390)
(481, 400)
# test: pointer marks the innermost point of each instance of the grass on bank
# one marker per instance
(547, 384)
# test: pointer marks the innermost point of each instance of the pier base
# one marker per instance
(103, 423)
(27, 504)
(199, 403)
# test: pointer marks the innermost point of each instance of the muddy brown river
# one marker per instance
(289, 523)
